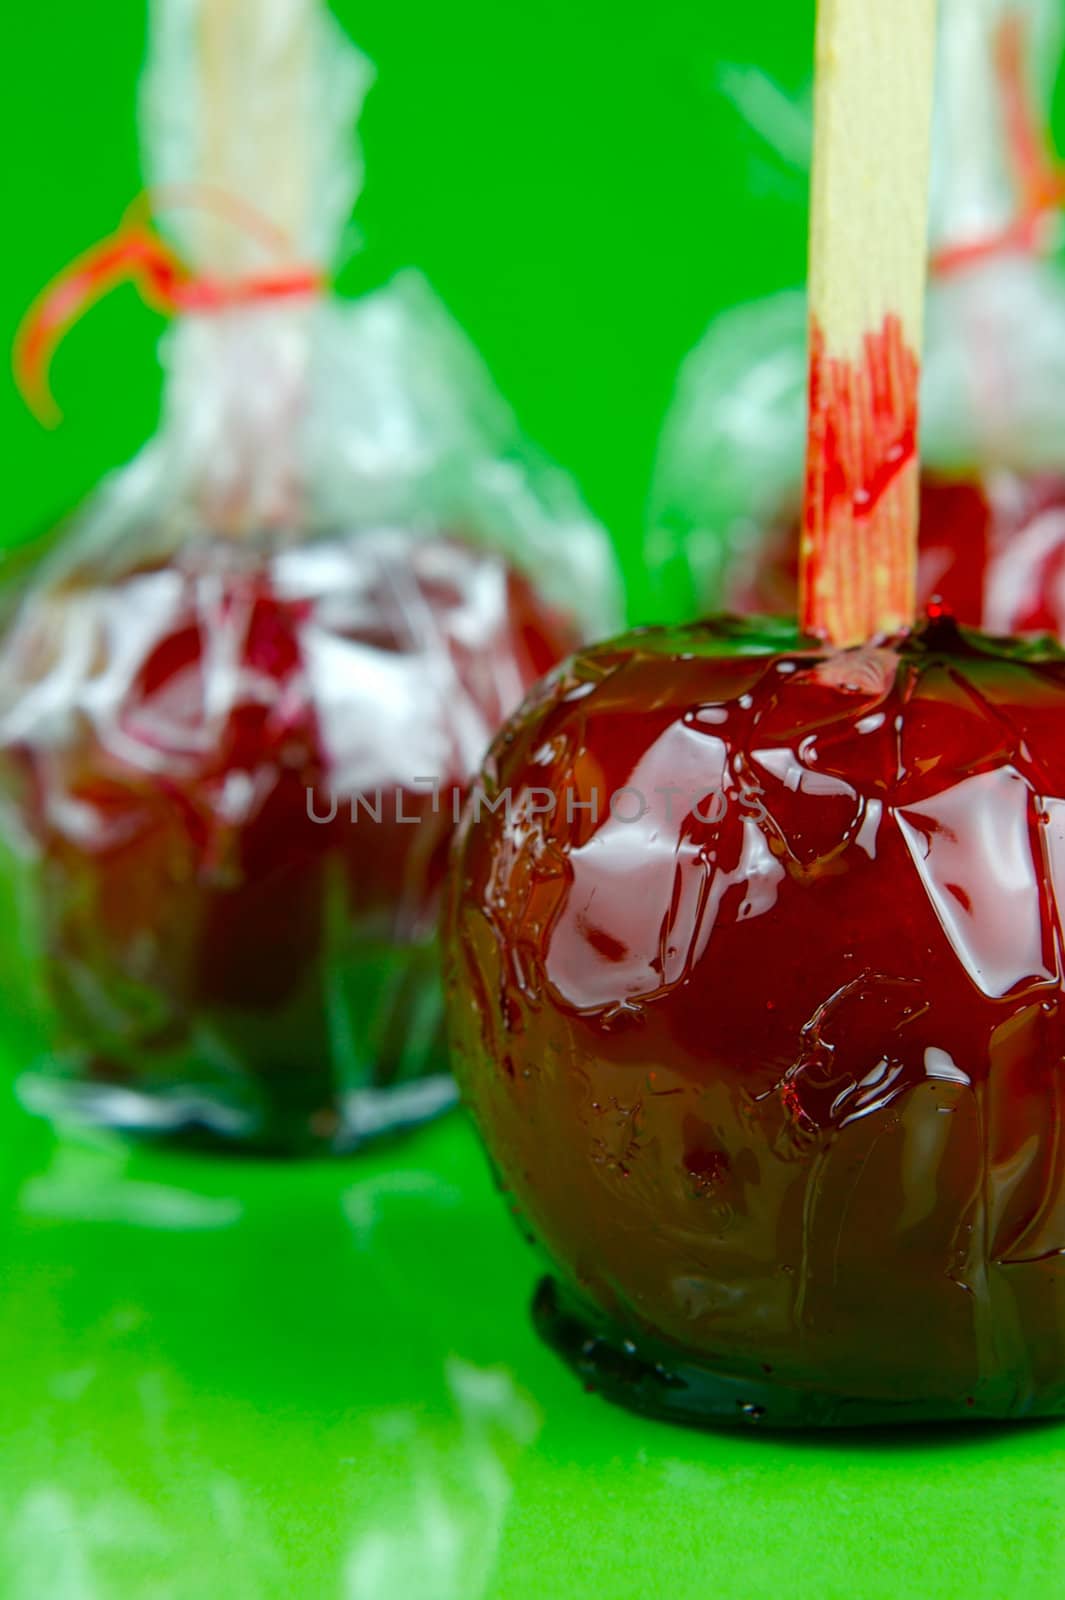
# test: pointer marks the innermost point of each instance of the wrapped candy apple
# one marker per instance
(754, 960)
(243, 697)
(724, 514)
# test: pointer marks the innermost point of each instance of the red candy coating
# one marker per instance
(758, 996)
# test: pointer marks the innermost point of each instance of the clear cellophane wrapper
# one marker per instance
(244, 693)
(726, 496)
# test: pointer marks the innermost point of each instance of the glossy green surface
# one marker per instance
(244, 1380)
(250, 1380)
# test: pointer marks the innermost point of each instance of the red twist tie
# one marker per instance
(136, 253)
(1038, 176)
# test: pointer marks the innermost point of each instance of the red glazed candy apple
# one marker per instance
(757, 993)
(757, 938)
(226, 765)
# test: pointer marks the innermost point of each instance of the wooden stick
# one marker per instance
(868, 262)
(256, 99)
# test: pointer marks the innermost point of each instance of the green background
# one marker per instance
(247, 1380)
(567, 174)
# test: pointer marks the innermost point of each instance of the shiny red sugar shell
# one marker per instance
(756, 991)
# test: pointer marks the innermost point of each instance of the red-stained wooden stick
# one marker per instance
(868, 266)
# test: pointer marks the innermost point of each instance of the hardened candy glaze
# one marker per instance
(757, 998)
(186, 743)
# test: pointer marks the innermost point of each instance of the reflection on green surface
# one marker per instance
(257, 1371)
(247, 1379)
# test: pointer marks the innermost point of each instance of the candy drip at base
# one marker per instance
(660, 1381)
